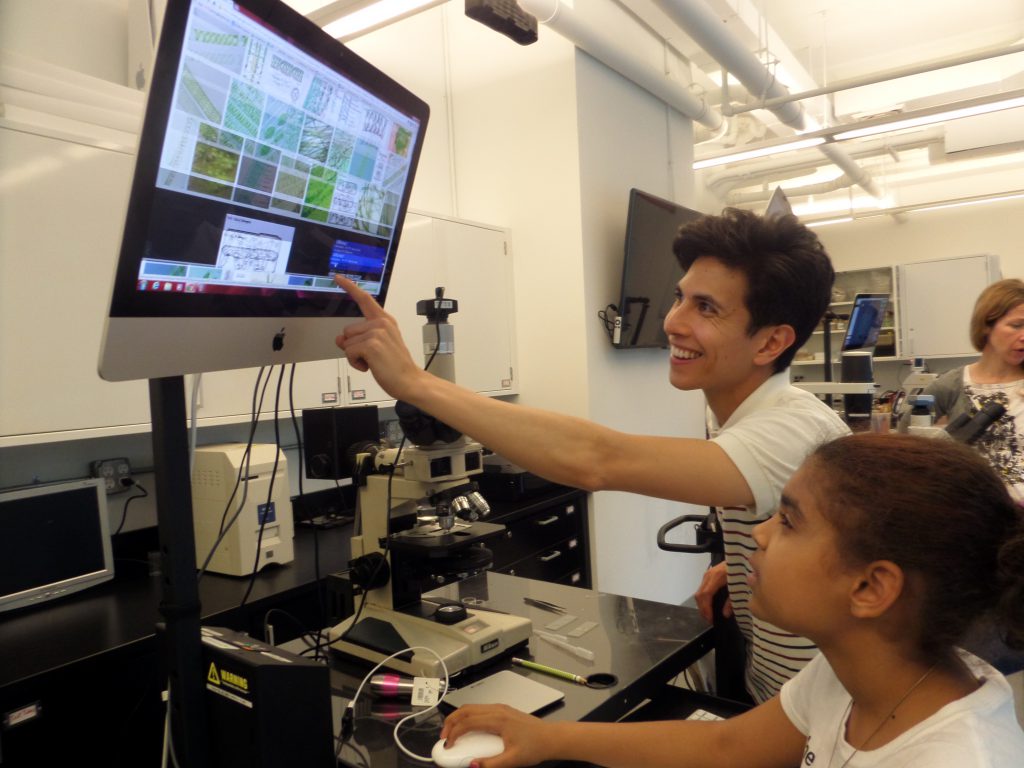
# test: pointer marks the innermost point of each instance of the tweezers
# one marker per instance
(544, 605)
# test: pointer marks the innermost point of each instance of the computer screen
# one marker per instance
(865, 321)
(55, 541)
(650, 270)
(271, 158)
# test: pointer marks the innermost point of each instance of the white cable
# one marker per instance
(398, 741)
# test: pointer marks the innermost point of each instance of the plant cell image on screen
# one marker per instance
(256, 121)
(316, 140)
(245, 109)
(204, 91)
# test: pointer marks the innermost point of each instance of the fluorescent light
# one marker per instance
(774, 149)
(959, 203)
(938, 117)
(826, 222)
(376, 15)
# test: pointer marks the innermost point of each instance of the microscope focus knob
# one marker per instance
(450, 614)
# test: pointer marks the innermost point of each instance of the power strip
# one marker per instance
(114, 473)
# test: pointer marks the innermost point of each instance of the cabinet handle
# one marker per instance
(548, 520)
(553, 554)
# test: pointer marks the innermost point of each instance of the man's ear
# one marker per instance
(776, 340)
(876, 588)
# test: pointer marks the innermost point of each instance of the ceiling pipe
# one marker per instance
(609, 51)
(820, 188)
(698, 21)
(885, 76)
(721, 182)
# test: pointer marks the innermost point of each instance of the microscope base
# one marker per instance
(480, 637)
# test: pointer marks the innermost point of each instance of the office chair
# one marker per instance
(730, 646)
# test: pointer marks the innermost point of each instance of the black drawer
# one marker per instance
(535, 532)
(554, 563)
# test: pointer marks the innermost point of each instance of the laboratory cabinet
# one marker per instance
(938, 299)
(472, 262)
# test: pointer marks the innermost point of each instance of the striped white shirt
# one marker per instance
(767, 438)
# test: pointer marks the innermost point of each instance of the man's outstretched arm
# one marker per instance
(564, 449)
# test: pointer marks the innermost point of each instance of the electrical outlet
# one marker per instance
(113, 472)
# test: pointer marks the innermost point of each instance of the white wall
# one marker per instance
(630, 139)
(925, 235)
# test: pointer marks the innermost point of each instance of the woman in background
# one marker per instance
(884, 551)
(997, 331)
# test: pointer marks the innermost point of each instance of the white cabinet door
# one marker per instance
(936, 301)
(60, 230)
(225, 396)
(471, 262)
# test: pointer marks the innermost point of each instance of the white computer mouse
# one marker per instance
(470, 746)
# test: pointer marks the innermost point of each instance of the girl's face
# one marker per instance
(797, 576)
(1006, 339)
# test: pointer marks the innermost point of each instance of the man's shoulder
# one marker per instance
(792, 403)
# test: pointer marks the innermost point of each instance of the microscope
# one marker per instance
(418, 527)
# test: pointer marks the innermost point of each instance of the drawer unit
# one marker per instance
(545, 537)
(534, 531)
(557, 563)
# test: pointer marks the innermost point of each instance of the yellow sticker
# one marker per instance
(212, 675)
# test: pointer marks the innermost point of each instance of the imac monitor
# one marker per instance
(271, 158)
(650, 271)
(56, 541)
(865, 321)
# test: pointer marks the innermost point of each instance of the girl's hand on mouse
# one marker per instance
(526, 737)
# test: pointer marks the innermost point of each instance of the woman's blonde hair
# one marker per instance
(994, 302)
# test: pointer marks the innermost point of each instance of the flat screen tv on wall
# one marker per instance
(650, 271)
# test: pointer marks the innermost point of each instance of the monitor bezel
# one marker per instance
(44, 593)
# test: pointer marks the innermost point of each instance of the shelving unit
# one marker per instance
(847, 285)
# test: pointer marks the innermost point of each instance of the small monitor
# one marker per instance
(650, 270)
(55, 542)
(865, 321)
(271, 158)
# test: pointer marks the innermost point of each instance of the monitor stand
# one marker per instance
(180, 600)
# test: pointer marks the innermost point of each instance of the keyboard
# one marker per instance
(703, 714)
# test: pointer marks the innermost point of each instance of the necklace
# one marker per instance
(849, 708)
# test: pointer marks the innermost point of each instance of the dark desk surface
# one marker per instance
(643, 643)
(124, 612)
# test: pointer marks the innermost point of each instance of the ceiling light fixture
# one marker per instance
(914, 208)
(826, 222)
(889, 126)
(373, 16)
(961, 203)
(762, 151)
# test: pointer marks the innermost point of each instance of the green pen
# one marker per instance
(594, 680)
(549, 670)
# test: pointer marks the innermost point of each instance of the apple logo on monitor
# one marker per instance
(278, 343)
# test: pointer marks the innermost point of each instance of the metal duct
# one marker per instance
(606, 49)
(709, 32)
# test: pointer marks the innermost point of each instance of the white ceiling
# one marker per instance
(814, 44)
(821, 43)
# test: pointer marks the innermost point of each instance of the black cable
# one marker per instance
(270, 489)
(320, 593)
(124, 512)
